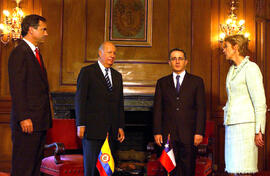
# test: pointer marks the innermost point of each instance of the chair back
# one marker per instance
(64, 131)
(209, 131)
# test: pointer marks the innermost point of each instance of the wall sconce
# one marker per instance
(233, 27)
(10, 28)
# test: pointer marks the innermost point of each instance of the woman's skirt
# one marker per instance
(241, 153)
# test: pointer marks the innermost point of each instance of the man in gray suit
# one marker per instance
(99, 106)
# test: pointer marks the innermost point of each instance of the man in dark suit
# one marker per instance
(31, 114)
(179, 112)
(99, 106)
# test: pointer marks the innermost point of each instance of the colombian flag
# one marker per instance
(105, 162)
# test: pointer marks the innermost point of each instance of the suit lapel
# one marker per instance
(31, 53)
(171, 85)
(229, 76)
(42, 73)
(114, 80)
(184, 83)
(100, 75)
(235, 72)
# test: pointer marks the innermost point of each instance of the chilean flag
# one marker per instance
(167, 158)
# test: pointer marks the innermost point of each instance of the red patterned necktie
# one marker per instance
(38, 58)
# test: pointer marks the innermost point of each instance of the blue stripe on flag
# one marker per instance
(106, 166)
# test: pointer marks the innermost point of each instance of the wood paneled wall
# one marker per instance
(5, 144)
(77, 28)
(140, 66)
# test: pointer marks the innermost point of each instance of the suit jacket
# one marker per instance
(246, 98)
(97, 108)
(182, 115)
(29, 89)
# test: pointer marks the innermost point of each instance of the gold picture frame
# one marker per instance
(129, 22)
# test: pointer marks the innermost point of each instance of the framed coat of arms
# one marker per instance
(129, 22)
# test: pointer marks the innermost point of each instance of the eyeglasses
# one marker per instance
(177, 58)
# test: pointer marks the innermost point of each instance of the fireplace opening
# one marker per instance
(138, 130)
(138, 148)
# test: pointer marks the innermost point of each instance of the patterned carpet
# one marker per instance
(4, 174)
(264, 173)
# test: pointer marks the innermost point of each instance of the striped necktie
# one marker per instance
(108, 79)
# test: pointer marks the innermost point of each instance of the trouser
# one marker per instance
(27, 153)
(185, 156)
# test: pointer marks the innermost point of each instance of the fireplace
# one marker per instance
(134, 153)
(63, 104)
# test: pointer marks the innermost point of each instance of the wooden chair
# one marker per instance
(62, 137)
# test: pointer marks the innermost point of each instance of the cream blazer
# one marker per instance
(246, 98)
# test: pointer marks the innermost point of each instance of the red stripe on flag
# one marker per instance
(166, 161)
(100, 169)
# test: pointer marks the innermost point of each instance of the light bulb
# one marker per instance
(241, 22)
(21, 13)
(247, 35)
(2, 27)
(6, 12)
(222, 36)
(15, 19)
(228, 21)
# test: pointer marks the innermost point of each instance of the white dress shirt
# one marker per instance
(31, 45)
(182, 75)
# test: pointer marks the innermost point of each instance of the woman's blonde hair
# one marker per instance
(239, 40)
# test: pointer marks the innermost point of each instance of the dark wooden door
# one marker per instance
(267, 91)
(263, 60)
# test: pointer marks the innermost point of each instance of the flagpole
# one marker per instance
(167, 158)
(169, 140)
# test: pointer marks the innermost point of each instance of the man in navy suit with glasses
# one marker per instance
(180, 112)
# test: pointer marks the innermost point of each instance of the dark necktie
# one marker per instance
(38, 58)
(108, 79)
(177, 83)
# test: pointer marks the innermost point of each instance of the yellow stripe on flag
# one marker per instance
(106, 149)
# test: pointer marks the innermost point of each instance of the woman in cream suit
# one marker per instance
(244, 113)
